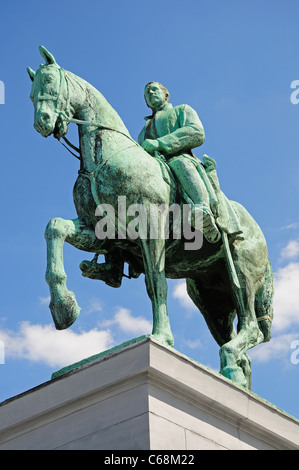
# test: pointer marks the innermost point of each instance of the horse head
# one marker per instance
(49, 96)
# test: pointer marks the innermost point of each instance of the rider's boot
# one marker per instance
(201, 218)
(110, 273)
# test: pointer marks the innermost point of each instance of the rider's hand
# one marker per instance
(150, 146)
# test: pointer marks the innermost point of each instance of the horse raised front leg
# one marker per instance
(63, 304)
(153, 252)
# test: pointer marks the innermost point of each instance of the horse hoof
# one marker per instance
(236, 375)
(65, 311)
(163, 338)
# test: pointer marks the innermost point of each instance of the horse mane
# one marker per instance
(90, 90)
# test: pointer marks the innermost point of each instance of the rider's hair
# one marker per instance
(166, 92)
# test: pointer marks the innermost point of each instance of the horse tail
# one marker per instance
(264, 304)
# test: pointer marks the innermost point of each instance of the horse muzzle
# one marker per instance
(47, 125)
(44, 124)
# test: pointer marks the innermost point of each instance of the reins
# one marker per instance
(71, 145)
(64, 117)
(98, 125)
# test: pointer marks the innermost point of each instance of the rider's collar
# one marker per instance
(165, 106)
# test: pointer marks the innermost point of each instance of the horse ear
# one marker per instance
(49, 58)
(31, 73)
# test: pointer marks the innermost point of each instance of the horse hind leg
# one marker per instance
(219, 316)
(216, 310)
(63, 304)
(255, 314)
(235, 363)
(264, 304)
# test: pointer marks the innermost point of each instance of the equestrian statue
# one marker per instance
(228, 274)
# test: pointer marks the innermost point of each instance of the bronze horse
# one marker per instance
(111, 165)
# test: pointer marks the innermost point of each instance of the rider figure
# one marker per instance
(173, 132)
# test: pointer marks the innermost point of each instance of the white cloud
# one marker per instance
(45, 344)
(286, 305)
(193, 344)
(42, 343)
(95, 306)
(290, 226)
(44, 300)
(128, 323)
(291, 251)
(180, 293)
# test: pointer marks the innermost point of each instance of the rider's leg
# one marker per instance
(191, 182)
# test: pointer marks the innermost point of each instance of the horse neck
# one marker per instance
(90, 105)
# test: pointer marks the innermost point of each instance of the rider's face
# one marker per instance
(155, 96)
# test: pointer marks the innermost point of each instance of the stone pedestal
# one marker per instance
(143, 396)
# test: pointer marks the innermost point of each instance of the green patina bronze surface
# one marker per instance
(229, 276)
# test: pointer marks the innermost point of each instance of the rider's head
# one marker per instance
(156, 95)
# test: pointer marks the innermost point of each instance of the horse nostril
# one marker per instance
(45, 117)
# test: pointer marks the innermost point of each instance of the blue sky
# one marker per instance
(234, 63)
